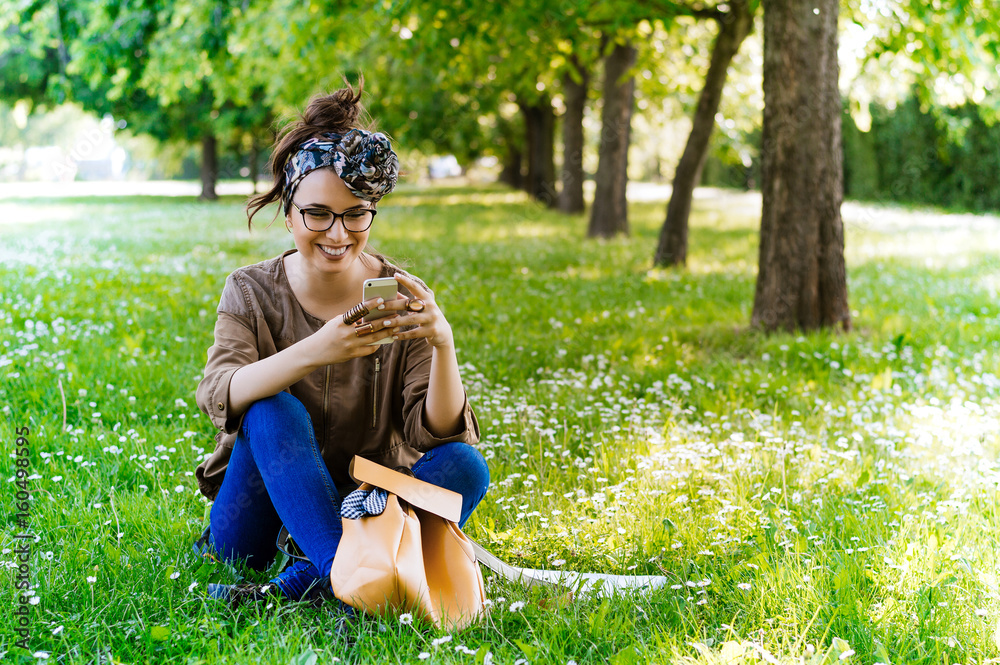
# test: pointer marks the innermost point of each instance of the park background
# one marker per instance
(818, 490)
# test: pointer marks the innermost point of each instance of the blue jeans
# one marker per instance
(277, 476)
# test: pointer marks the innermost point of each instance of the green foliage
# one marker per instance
(161, 66)
(317, 44)
(944, 157)
(861, 161)
(947, 50)
(32, 54)
(808, 496)
(448, 76)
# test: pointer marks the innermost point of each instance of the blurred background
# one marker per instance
(193, 91)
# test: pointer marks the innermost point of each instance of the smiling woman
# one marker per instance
(325, 243)
(296, 385)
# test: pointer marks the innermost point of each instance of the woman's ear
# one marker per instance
(288, 223)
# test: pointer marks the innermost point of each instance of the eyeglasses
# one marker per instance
(318, 220)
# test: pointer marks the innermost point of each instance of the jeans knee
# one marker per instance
(478, 468)
(280, 407)
(281, 412)
(277, 430)
(471, 462)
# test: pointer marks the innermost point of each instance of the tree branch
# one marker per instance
(665, 8)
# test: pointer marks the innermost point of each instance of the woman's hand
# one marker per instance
(430, 322)
(338, 341)
(445, 396)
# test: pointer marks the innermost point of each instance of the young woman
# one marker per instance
(293, 381)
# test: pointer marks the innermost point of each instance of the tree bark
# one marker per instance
(539, 122)
(734, 27)
(609, 214)
(510, 174)
(802, 278)
(575, 95)
(209, 167)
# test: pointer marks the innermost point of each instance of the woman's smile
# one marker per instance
(334, 252)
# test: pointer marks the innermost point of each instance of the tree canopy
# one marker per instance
(455, 77)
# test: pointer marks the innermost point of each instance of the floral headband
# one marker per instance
(364, 160)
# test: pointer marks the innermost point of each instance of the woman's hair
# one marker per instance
(338, 112)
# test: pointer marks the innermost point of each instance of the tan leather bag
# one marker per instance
(412, 557)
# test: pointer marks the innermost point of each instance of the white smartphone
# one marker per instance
(386, 289)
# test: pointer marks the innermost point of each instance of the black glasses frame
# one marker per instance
(333, 220)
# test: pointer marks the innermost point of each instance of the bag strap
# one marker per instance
(289, 547)
(419, 494)
(507, 571)
(602, 584)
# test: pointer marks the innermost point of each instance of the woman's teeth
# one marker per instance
(332, 251)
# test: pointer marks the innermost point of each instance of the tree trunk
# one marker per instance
(801, 279)
(733, 30)
(575, 94)
(513, 160)
(539, 122)
(511, 172)
(209, 167)
(609, 214)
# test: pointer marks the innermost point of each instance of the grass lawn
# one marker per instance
(813, 498)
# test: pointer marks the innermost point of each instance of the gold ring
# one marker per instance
(363, 330)
(356, 313)
(414, 305)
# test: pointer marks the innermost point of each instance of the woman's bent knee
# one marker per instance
(282, 406)
(472, 462)
(460, 460)
(476, 467)
(278, 413)
(277, 431)
(470, 475)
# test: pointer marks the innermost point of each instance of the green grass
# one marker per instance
(809, 495)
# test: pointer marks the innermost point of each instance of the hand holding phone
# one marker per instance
(385, 288)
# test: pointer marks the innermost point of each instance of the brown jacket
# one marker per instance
(371, 406)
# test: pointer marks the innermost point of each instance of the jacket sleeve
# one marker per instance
(235, 347)
(416, 374)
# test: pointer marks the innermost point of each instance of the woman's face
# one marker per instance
(336, 249)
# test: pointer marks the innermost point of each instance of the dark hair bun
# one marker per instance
(337, 112)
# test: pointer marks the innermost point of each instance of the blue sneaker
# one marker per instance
(301, 581)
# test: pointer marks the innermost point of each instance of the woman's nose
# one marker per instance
(338, 230)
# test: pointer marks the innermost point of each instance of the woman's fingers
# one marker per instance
(397, 305)
(366, 334)
(366, 345)
(419, 315)
(414, 287)
(412, 319)
(387, 322)
(376, 325)
(430, 325)
(362, 309)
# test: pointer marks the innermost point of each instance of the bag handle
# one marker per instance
(509, 572)
(289, 547)
(438, 500)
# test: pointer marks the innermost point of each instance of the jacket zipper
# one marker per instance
(378, 368)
